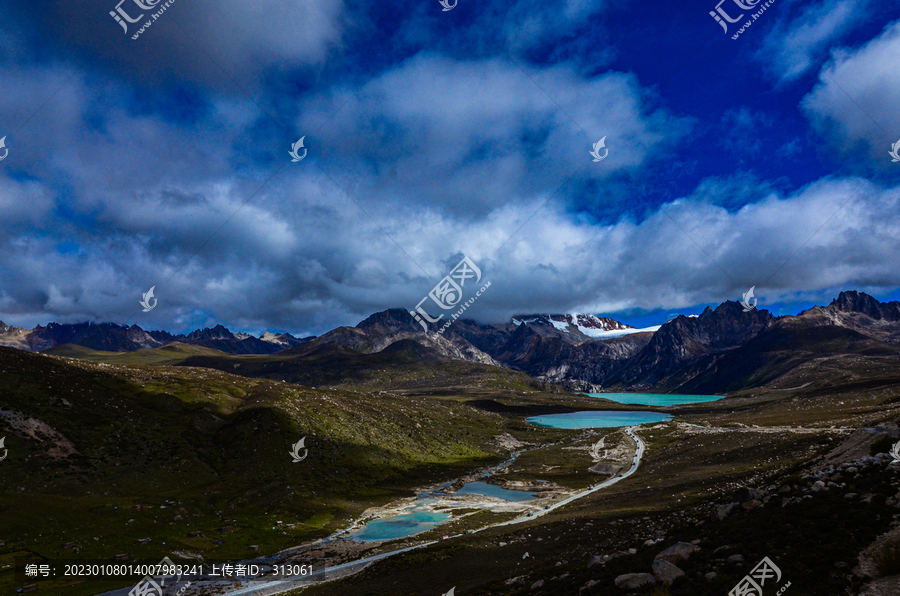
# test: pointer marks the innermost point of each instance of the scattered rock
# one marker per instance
(678, 552)
(735, 559)
(588, 586)
(595, 560)
(744, 494)
(710, 576)
(850, 496)
(722, 549)
(666, 572)
(723, 511)
(818, 486)
(635, 581)
(751, 505)
(539, 583)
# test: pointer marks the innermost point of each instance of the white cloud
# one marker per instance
(855, 102)
(795, 46)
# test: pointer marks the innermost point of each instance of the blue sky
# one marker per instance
(163, 160)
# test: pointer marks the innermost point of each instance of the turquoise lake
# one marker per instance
(419, 520)
(400, 526)
(656, 399)
(598, 419)
(492, 490)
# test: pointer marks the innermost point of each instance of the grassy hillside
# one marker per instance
(171, 354)
(90, 441)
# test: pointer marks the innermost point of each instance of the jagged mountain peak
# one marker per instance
(860, 302)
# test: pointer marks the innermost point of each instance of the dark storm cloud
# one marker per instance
(150, 167)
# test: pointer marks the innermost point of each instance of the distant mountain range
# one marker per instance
(109, 337)
(722, 349)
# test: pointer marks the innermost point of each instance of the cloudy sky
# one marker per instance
(432, 134)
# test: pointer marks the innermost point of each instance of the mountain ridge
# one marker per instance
(578, 351)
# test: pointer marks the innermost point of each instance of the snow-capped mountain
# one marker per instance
(590, 326)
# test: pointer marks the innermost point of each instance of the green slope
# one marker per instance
(88, 441)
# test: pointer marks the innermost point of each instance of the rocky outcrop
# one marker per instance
(634, 581)
(666, 572)
(678, 552)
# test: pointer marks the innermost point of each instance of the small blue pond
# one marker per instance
(492, 490)
(400, 526)
(598, 419)
(656, 399)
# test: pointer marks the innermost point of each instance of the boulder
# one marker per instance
(735, 559)
(818, 486)
(678, 552)
(751, 505)
(635, 581)
(595, 560)
(723, 511)
(744, 494)
(710, 576)
(722, 549)
(539, 583)
(666, 572)
(586, 587)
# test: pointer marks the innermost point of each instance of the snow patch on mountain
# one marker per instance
(589, 325)
(596, 333)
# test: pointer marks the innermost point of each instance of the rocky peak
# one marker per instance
(860, 302)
